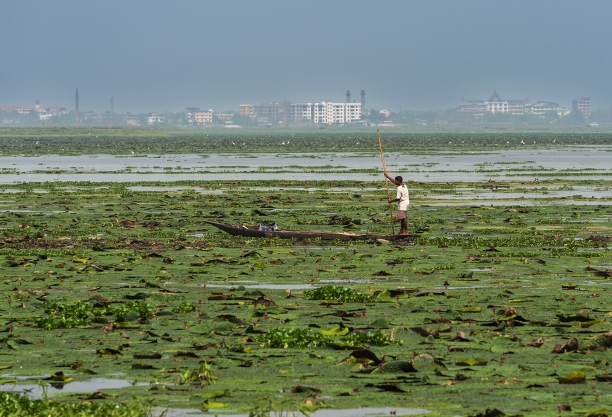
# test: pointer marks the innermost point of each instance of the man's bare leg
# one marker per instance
(404, 227)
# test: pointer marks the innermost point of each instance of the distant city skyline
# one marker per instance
(494, 110)
(380, 102)
(157, 55)
(567, 103)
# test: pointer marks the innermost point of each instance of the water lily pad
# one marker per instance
(336, 331)
(573, 378)
(206, 405)
(215, 394)
(396, 367)
(470, 310)
(570, 346)
(426, 362)
(471, 362)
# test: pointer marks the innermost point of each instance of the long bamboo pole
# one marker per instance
(382, 157)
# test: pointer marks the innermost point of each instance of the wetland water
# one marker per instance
(96, 384)
(463, 166)
(482, 304)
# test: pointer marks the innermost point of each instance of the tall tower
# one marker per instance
(362, 101)
(77, 117)
(348, 96)
(112, 115)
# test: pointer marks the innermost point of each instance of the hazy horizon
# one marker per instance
(417, 55)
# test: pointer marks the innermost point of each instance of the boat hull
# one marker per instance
(297, 234)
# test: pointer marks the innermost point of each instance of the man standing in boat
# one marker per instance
(403, 200)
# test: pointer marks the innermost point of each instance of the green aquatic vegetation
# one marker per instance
(69, 315)
(49, 323)
(17, 404)
(123, 141)
(200, 376)
(364, 339)
(139, 309)
(286, 338)
(184, 308)
(65, 315)
(472, 284)
(337, 293)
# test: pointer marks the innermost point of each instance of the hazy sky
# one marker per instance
(167, 55)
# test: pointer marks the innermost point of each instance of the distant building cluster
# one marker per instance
(582, 105)
(197, 117)
(495, 104)
(322, 112)
(41, 113)
(286, 113)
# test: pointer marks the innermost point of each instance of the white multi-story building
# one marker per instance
(198, 117)
(202, 117)
(301, 112)
(132, 120)
(582, 105)
(155, 117)
(496, 104)
(517, 107)
(223, 117)
(325, 112)
(352, 112)
(546, 108)
(477, 107)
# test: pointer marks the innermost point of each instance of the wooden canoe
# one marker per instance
(297, 234)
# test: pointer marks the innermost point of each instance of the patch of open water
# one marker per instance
(359, 280)
(199, 190)
(256, 176)
(551, 194)
(33, 211)
(297, 287)
(264, 286)
(463, 166)
(517, 202)
(35, 391)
